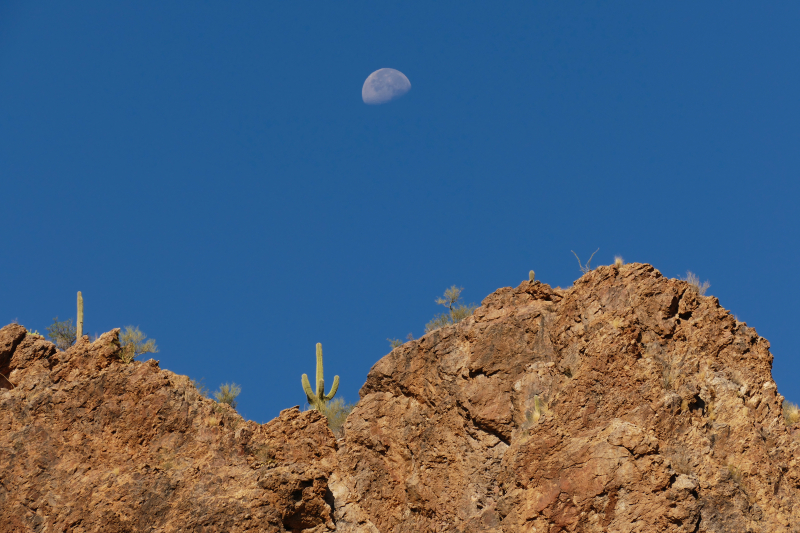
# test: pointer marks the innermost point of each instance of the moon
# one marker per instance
(384, 85)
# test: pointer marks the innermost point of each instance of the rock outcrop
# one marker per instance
(627, 403)
(88, 444)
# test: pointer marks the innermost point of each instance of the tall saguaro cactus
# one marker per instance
(79, 329)
(319, 399)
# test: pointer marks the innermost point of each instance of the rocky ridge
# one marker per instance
(90, 444)
(625, 403)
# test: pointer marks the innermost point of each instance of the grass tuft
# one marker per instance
(791, 413)
(692, 279)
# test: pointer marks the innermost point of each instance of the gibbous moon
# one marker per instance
(384, 85)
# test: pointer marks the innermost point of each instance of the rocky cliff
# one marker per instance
(625, 403)
(88, 443)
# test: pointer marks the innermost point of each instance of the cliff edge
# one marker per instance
(626, 403)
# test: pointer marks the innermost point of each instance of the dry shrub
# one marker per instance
(395, 343)
(587, 267)
(456, 310)
(263, 455)
(791, 413)
(133, 344)
(62, 333)
(227, 393)
(201, 387)
(668, 371)
(336, 412)
(692, 279)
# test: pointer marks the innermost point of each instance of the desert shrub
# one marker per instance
(133, 344)
(62, 333)
(395, 343)
(668, 372)
(263, 454)
(692, 279)
(587, 267)
(456, 311)
(336, 412)
(227, 393)
(200, 386)
(34, 333)
(791, 413)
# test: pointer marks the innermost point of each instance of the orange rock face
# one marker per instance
(627, 403)
(90, 444)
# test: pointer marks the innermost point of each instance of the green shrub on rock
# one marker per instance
(227, 393)
(62, 333)
(133, 344)
(456, 311)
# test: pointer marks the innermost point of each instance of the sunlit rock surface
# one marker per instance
(625, 403)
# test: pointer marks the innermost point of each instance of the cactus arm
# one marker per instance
(307, 388)
(334, 388)
(79, 332)
(320, 373)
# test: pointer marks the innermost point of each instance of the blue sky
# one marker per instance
(208, 171)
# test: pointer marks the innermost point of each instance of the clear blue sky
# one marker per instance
(208, 171)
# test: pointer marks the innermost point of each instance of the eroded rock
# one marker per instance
(90, 444)
(626, 403)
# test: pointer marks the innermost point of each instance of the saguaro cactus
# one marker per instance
(79, 329)
(319, 399)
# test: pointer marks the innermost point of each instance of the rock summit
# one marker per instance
(626, 403)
